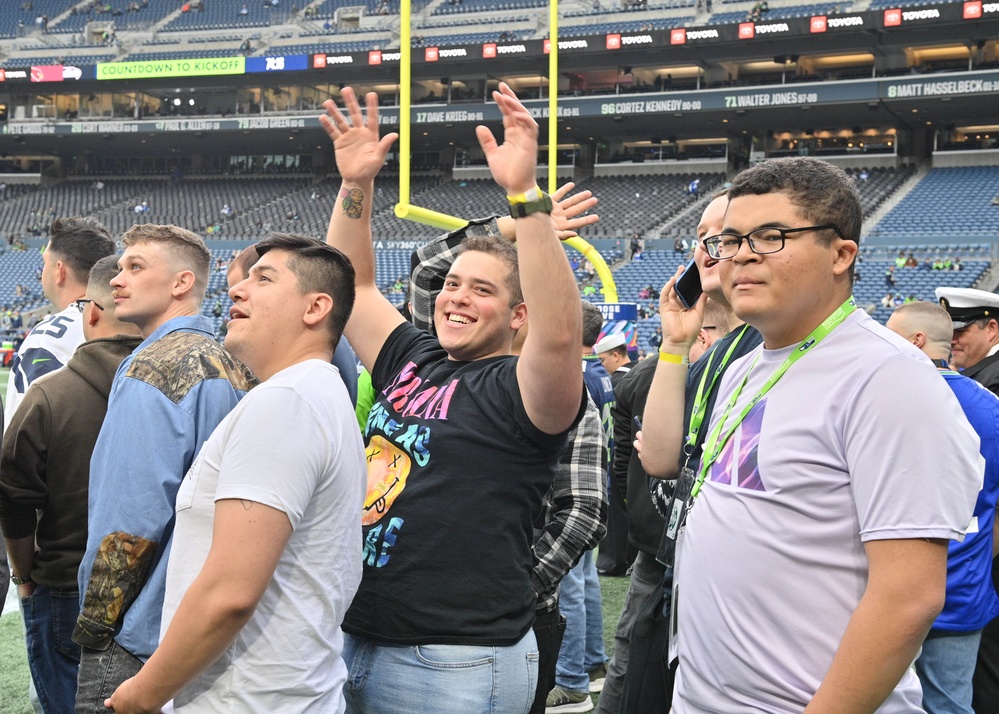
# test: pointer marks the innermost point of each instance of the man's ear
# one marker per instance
(91, 315)
(184, 282)
(846, 254)
(992, 329)
(519, 316)
(60, 272)
(320, 305)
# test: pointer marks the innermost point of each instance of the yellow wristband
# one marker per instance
(533, 194)
(671, 358)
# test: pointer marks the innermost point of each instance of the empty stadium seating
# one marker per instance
(952, 202)
(951, 199)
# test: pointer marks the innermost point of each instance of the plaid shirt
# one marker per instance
(575, 508)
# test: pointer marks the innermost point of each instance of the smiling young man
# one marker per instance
(267, 548)
(817, 502)
(463, 440)
(166, 399)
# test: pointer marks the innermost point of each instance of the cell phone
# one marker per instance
(638, 422)
(688, 285)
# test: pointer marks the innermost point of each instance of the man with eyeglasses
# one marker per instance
(44, 477)
(811, 544)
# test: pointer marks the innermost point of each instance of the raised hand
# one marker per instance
(567, 210)
(360, 153)
(514, 162)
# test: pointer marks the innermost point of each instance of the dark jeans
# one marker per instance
(548, 629)
(101, 672)
(985, 683)
(646, 583)
(648, 682)
(615, 554)
(53, 657)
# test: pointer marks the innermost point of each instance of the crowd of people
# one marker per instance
(205, 527)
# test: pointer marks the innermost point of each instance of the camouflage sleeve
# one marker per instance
(121, 567)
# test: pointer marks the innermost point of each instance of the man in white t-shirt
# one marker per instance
(814, 556)
(266, 553)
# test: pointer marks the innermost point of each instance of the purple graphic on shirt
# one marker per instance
(747, 439)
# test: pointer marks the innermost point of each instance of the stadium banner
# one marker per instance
(46, 73)
(618, 311)
(956, 84)
(197, 67)
(283, 63)
(936, 86)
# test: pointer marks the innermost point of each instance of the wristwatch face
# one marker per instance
(20, 581)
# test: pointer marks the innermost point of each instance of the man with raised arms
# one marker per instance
(463, 440)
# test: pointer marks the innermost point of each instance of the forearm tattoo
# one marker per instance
(352, 202)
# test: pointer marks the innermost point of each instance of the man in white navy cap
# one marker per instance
(975, 346)
(975, 351)
(613, 353)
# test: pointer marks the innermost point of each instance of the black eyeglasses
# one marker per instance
(82, 303)
(761, 241)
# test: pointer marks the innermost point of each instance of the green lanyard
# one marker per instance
(716, 441)
(702, 395)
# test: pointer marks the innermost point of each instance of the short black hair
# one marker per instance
(822, 192)
(319, 268)
(593, 323)
(80, 241)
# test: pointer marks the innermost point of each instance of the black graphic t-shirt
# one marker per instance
(456, 473)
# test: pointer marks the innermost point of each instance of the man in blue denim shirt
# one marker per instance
(166, 399)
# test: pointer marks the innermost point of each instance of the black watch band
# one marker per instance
(540, 205)
(21, 581)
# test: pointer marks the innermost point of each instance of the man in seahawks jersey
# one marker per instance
(74, 246)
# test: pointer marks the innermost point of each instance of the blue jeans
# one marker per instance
(446, 679)
(945, 668)
(53, 657)
(583, 645)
